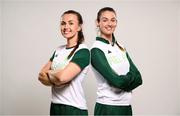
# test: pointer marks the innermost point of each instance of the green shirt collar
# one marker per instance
(106, 41)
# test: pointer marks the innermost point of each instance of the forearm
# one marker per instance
(53, 77)
(56, 77)
(100, 63)
(44, 79)
(63, 76)
(137, 82)
(112, 78)
(135, 73)
(46, 67)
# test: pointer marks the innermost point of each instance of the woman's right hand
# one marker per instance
(43, 78)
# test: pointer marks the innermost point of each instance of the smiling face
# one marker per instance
(107, 23)
(70, 26)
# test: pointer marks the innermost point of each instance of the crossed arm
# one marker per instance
(126, 82)
(60, 76)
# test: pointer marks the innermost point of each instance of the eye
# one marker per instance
(113, 20)
(63, 23)
(104, 20)
(71, 23)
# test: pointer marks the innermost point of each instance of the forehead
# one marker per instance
(108, 14)
(68, 17)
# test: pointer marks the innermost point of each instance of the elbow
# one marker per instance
(141, 82)
(140, 79)
(40, 78)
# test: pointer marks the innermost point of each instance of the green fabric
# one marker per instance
(81, 58)
(113, 40)
(102, 109)
(52, 57)
(102, 40)
(100, 63)
(106, 41)
(135, 73)
(126, 82)
(61, 109)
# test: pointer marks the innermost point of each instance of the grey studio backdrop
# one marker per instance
(29, 33)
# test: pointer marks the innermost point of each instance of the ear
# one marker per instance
(80, 27)
(97, 23)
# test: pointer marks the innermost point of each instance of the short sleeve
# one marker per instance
(81, 58)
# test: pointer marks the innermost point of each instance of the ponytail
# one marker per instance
(121, 48)
(80, 40)
(80, 33)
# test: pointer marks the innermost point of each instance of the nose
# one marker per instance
(109, 23)
(66, 26)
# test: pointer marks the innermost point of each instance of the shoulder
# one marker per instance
(82, 50)
(100, 45)
(83, 46)
(59, 48)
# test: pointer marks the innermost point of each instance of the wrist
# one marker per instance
(49, 78)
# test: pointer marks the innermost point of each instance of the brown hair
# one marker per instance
(80, 33)
(103, 10)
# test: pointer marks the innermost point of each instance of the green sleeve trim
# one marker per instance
(81, 58)
(100, 63)
(52, 57)
(135, 73)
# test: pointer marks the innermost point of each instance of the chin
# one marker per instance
(108, 33)
(67, 36)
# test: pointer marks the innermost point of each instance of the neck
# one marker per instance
(71, 42)
(107, 37)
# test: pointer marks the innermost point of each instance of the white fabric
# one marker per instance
(72, 94)
(107, 94)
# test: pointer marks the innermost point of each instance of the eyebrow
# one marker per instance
(68, 21)
(107, 18)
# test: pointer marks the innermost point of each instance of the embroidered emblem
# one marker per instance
(109, 52)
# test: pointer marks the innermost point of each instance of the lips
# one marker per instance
(108, 28)
(66, 31)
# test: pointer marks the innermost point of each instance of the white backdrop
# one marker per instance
(0, 58)
(179, 53)
(30, 33)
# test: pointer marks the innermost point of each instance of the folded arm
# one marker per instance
(100, 63)
(79, 61)
(43, 77)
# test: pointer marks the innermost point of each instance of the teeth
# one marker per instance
(66, 32)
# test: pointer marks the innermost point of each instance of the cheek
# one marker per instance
(61, 28)
(75, 28)
(114, 24)
(102, 25)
